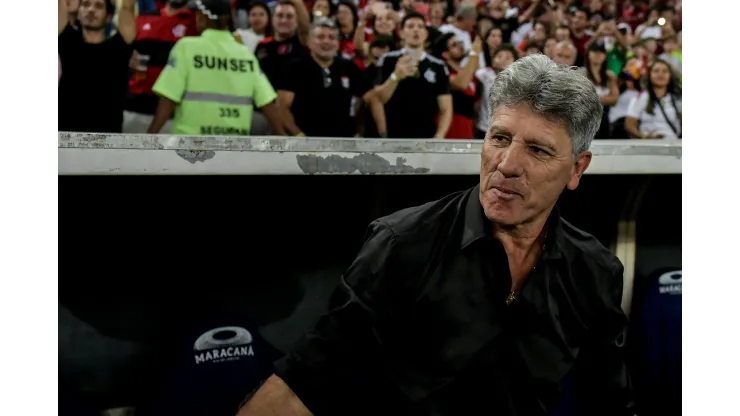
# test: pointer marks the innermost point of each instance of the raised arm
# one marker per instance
(304, 21)
(63, 15)
(127, 21)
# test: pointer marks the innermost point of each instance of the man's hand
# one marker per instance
(477, 45)
(405, 67)
(367, 15)
(274, 398)
(134, 62)
(73, 6)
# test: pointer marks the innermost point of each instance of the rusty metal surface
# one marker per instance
(81, 153)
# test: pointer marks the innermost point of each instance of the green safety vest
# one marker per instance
(216, 82)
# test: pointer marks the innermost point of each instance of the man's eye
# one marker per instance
(536, 150)
(498, 138)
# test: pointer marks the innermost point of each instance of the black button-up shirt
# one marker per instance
(420, 325)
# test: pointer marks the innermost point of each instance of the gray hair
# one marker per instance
(465, 12)
(554, 91)
(324, 22)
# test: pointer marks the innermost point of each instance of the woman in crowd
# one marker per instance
(492, 40)
(320, 8)
(539, 36)
(629, 85)
(382, 24)
(605, 81)
(260, 24)
(483, 25)
(503, 56)
(656, 113)
(346, 18)
(436, 15)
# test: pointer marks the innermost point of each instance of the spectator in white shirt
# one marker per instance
(502, 57)
(656, 113)
(629, 90)
(260, 24)
(650, 29)
(464, 26)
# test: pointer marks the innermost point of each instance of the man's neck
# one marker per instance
(413, 48)
(280, 38)
(454, 65)
(93, 36)
(578, 33)
(522, 240)
(322, 62)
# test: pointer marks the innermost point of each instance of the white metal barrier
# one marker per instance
(119, 154)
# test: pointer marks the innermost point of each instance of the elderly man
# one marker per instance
(486, 301)
(565, 53)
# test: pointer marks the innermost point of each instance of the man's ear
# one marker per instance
(582, 162)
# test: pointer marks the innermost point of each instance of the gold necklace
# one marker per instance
(513, 295)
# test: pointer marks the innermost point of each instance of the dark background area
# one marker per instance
(143, 257)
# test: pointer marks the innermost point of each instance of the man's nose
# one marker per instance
(512, 160)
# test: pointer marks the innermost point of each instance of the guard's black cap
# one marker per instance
(213, 8)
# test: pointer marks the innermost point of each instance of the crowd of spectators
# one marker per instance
(367, 68)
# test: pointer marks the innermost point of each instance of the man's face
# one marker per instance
(92, 14)
(526, 163)
(284, 21)
(565, 55)
(562, 33)
(579, 20)
(455, 49)
(468, 23)
(414, 33)
(324, 43)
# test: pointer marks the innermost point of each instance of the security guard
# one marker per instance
(212, 82)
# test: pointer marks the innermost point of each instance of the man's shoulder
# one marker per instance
(409, 224)
(390, 58)
(436, 62)
(346, 65)
(582, 246)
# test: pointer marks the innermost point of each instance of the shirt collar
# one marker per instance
(217, 34)
(477, 226)
(421, 57)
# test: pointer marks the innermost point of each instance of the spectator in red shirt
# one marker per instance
(464, 86)
(382, 21)
(579, 24)
(347, 19)
(156, 34)
(290, 23)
